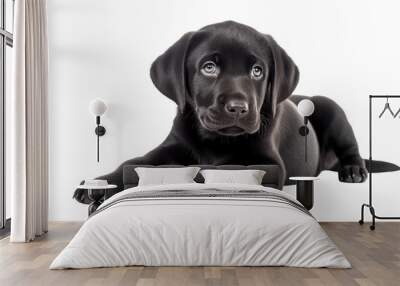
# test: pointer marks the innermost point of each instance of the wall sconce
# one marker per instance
(97, 107)
(306, 109)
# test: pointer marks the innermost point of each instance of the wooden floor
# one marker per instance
(375, 257)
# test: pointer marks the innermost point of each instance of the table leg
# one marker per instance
(305, 193)
(93, 207)
(97, 198)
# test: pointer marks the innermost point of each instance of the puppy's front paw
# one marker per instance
(352, 174)
(81, 195)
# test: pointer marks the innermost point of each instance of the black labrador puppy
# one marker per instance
(233, 88)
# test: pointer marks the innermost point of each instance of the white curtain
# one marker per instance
(28, 122)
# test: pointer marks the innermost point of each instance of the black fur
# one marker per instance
(228, 114)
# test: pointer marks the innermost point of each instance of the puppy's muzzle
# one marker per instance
(236, 108)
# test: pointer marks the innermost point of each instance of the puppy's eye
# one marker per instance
(257, 72)
(209, 68)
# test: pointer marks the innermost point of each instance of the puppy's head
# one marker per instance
(231, 75)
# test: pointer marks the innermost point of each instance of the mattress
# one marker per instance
(201, 225)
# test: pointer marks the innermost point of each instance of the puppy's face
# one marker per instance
(230, 74)
(227, 82)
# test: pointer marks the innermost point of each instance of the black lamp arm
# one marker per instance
(100, 131)
(304, 132)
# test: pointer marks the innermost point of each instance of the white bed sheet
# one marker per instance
(200, 231)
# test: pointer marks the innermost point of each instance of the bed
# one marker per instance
(201, 224)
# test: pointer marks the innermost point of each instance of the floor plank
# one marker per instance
(375, 257)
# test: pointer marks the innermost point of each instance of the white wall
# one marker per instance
(101, 48)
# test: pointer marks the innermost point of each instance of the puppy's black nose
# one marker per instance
(237, 107)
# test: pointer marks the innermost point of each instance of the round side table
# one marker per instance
(305, 190)
(97, 194)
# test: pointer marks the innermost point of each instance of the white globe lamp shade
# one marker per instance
(305, 107)
(97, 107)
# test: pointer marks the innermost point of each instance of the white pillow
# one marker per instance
(163, 176)
(248, 177)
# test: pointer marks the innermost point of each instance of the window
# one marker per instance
(6, 44)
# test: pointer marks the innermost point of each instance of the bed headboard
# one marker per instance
(131, 179)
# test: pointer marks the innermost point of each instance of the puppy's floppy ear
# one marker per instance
(283, 77)
(168, 71)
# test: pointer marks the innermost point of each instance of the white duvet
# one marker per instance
(200, 231)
